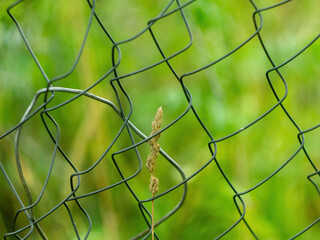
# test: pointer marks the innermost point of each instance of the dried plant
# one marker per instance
(152, 159)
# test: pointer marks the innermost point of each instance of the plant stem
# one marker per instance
(152, 224)
(152, 161)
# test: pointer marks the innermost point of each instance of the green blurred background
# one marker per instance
(227, 96)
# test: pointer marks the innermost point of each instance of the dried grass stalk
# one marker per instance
(152, 159)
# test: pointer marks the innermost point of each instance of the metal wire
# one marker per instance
(174, 7)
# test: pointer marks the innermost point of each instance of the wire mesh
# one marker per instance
(126, 151)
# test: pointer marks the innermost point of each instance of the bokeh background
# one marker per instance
(227, 96)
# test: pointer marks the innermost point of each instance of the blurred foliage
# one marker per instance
(227, 96)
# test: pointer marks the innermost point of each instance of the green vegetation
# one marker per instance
(227, 97)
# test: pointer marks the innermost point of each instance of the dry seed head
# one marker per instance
(154, 185)
(153, 142)
(156, 124)
(150, 164)
(155, 148)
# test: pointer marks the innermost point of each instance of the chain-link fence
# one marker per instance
(237, 81)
